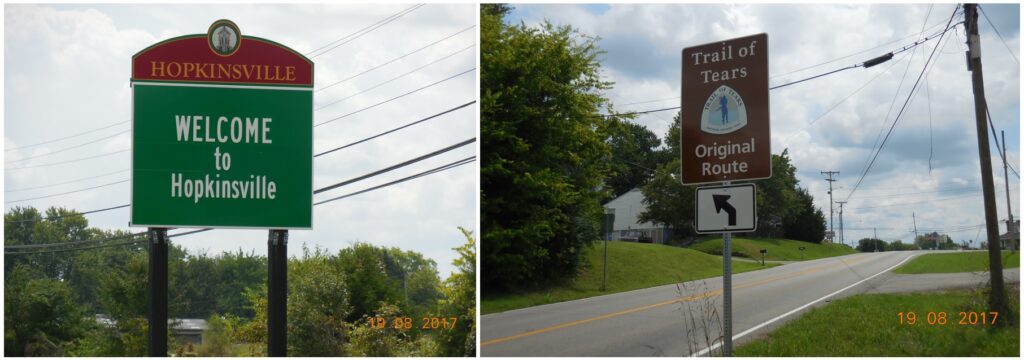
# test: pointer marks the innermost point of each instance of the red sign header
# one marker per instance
(222, 55)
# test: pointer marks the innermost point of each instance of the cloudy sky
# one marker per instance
(643, 45)
(67, 70)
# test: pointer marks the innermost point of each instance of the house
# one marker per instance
(626, 226)
(183, 330)
(1011, 240)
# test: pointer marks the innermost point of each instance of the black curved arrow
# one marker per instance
(722, 203)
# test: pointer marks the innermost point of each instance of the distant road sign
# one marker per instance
(725, 128)
(730, 208)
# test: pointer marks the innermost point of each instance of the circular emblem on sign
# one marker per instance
(724, 112)
(224, 37)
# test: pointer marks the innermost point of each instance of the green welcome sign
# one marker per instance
(222, 133)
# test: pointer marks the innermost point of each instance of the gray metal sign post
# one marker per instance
(727, 291)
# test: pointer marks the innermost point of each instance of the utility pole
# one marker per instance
(997, 296)
(830, 180)
(915, 227)
(842, 234)
(876, 239)
(1006, 180)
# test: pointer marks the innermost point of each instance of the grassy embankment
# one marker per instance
(955, 262)
(870, 325)
(778, 249)
(631, 266)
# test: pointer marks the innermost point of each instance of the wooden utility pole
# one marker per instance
(842, 234)
(831, 227)
(997, 296)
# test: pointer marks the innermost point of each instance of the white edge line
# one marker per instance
(791, 312)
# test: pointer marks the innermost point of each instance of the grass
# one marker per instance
(631, 266)
(778, 249)
(955, 262)
(869, 325)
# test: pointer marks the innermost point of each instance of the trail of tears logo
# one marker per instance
(724, 112)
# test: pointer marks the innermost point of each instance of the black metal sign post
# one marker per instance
(277, 297)
(157, 292)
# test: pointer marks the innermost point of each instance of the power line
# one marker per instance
(83, 242)
(816, 76)
(649, 101)
(65, 182)
(922, 202)
(125, 243)
(395, 59)
(422, 174)
(396, 166)
(348, 38)
(396, 129)
(640, 112)
(55, 218)
(854, 92)
(856, 53)
(868, 63)
(999, 35)
(66, 193)
(67, 162)
(999, 148)
(67, 148)
(396, 97)
(331, 187)
(900, 114)
(317, 155)
(395, 78)
(66, 137)
(415, 176)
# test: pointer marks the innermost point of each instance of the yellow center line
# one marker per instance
(663, 303)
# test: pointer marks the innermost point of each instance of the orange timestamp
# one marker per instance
(939, 318)
(407, 323)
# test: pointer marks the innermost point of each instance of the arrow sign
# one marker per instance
(722, 203)
(736, 201)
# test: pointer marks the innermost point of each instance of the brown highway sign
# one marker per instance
(726, 134)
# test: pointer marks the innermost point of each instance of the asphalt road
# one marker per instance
(676, 320)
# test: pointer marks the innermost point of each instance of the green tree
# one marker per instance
(899, 246)
(219, 340)
(366, 280)
(870, 245)
(317, 306)
(669, 202)
(808, 222)
(634, 157)
(385, 341)
(238, 271)
(543, 154)
(40, 314)
(777, 198)
(27, 227)
(666, 200)
(460, 301)
(415, 276)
